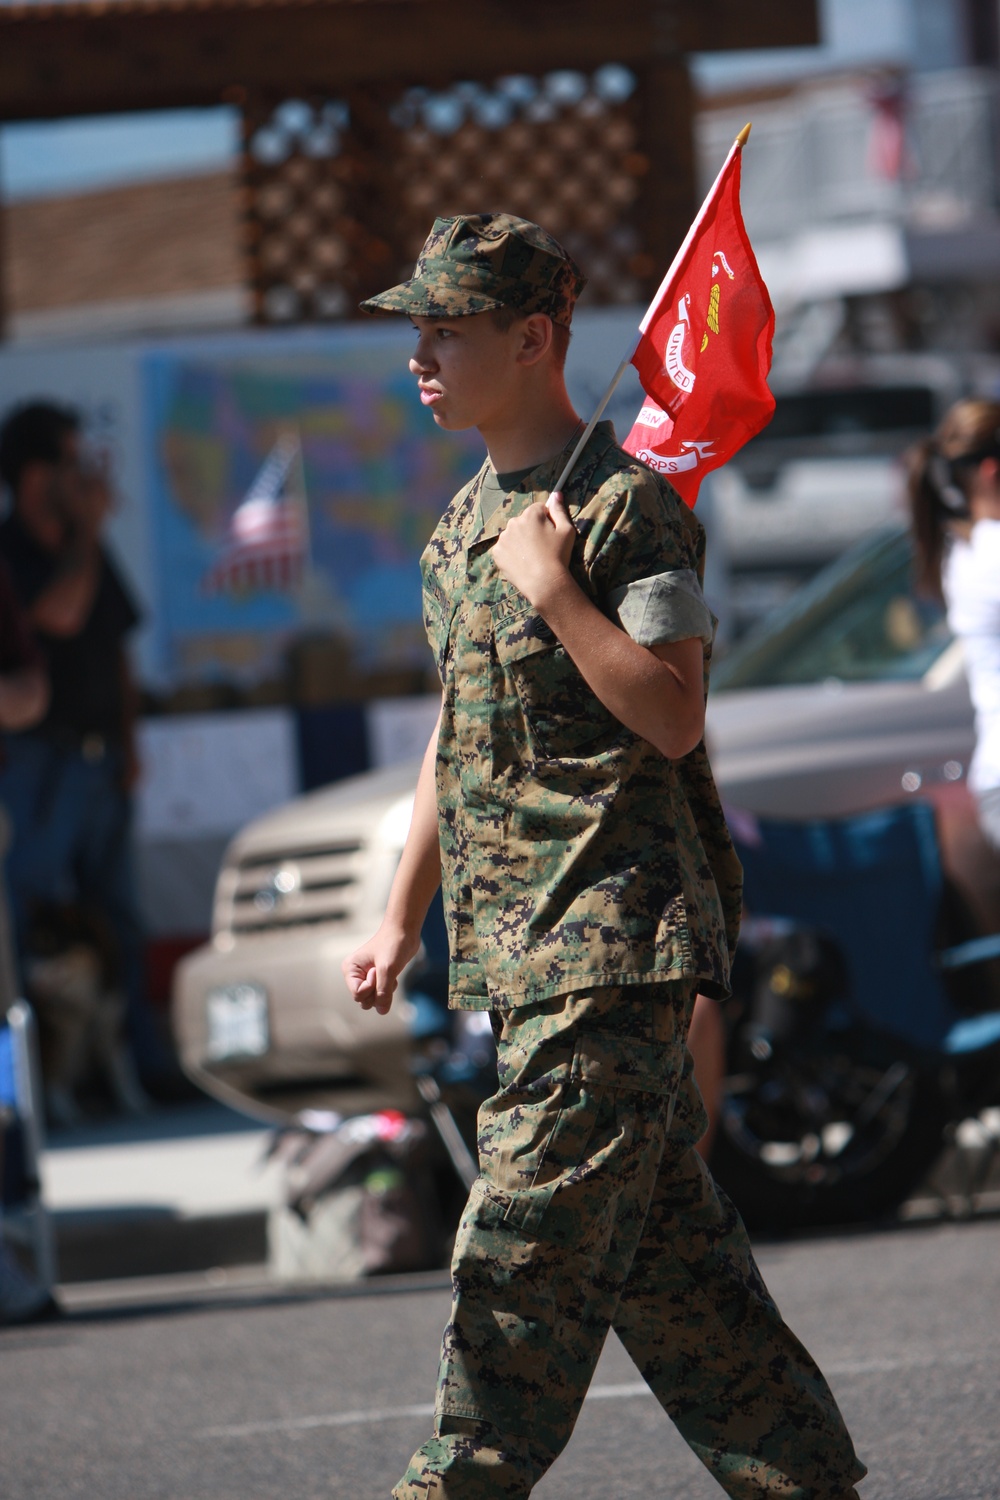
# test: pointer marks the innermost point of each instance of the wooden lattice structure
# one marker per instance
(363, 119)
(341, 193)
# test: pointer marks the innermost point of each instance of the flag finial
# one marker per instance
(743, 136)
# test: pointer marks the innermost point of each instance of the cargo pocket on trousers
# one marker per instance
(573, 1195)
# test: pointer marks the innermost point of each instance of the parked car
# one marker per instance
(261, 1013)
(823, 473)
(852, 696)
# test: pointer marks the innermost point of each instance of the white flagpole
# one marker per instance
(696, 224)
(571, 463)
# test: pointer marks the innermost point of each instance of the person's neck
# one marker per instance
(985, 508)
(45, 533)
(530, 436)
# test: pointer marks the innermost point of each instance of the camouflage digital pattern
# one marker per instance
(592, 1211)
(482, 262)
(574, 853)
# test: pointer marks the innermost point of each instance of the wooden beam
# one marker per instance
(79, 59)
(669, 198)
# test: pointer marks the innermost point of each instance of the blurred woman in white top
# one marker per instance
(954, 486)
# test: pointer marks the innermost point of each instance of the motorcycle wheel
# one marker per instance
(836, 1137)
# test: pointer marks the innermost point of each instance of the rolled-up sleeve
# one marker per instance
(666, 607)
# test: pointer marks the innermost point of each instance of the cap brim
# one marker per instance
(425, 301)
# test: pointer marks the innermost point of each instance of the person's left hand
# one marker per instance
(534, 548)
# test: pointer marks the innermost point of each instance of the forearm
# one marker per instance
(24, 697)
(657, 692)
(418, 874)
(372, 970)
(62, 608)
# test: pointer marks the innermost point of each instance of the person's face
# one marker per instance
(68, 478)
(464, 369)
(50, 493)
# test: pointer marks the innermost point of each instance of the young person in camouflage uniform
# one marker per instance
(591, 889)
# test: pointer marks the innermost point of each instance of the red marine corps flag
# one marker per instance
(704, 348)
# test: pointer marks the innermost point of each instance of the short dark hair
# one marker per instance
(34, 433)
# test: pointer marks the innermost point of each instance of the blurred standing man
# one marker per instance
(67, 782)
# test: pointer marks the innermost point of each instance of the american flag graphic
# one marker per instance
(267, 540)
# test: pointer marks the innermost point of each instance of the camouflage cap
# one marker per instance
(481, 262)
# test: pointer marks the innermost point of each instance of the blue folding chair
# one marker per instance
(26, 1221)
(836, 1105)
(874, 882)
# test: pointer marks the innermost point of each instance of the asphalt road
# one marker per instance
(242, 1393)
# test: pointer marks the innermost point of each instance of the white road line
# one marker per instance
(624, 1392)
(329, 1419)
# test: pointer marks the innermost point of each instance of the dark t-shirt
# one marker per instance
(85, 670)
(17, 648)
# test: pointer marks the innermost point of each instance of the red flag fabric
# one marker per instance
(704, 349)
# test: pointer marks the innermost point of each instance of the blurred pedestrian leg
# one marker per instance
(72, 845)
(24, 1298)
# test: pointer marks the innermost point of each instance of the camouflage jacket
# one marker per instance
(573, 852)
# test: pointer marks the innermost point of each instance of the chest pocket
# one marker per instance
(564, 718)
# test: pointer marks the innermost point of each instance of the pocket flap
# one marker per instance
(522, 635)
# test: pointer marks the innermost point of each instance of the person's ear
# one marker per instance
(536, 338)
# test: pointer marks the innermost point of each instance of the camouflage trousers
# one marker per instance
(593, 1211)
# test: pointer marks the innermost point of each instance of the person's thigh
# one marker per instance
(45, 798)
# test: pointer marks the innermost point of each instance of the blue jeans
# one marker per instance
(71, 826)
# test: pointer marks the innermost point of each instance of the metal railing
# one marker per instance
(813, 156)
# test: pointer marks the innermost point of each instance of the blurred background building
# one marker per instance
(195, 197)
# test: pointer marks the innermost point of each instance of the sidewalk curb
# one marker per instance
(143, 1239)
(106, 1245)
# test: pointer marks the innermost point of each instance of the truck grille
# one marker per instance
(270, 892)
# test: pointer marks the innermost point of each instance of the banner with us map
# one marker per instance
(292, 490)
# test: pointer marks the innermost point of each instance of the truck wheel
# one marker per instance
(835, 1138)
